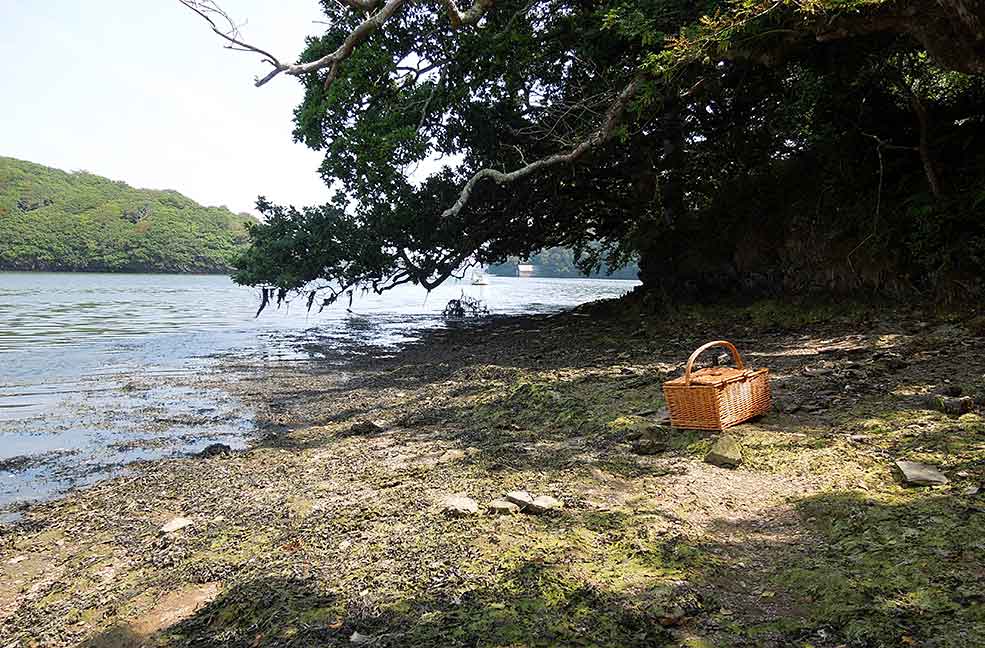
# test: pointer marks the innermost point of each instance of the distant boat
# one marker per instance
(524, 269)
(479, 278)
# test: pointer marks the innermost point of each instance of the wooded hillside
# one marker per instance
(54, 220)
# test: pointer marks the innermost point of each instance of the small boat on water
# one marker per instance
(479, 278)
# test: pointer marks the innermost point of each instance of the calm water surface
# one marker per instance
(97, 370)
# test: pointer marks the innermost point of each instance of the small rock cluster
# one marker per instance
(950, 400)
(848, 370)
(519, 501)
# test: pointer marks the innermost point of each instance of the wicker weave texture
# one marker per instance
(714, 399)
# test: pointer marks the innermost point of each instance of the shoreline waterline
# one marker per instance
(101, 371)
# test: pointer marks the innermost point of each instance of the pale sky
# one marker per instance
(142, 91)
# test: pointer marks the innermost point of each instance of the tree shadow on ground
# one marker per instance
(864, 570)
(548, 419)
(530, 603)
(522, 348)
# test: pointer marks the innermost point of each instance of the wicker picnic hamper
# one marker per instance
(717, 397)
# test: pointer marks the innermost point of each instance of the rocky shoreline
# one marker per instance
(514, 484)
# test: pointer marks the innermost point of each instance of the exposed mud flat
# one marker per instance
(97, 432)
(330, 531)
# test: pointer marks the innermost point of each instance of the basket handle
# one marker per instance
(704, 347)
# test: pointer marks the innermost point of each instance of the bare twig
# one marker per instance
(210, 11)
(880, 144)
(376, 15)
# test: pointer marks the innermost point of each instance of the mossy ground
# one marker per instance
(319, 537)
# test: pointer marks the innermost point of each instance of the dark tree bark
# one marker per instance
(926, 155)
(653, 255)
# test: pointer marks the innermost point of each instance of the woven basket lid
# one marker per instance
(714, 376)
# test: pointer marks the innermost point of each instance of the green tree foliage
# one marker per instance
(53, 220)
(791, 145)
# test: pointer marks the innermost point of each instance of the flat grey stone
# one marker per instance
(919, 474)
(520, 498)
(175, 524)
(459, 506)
(725, 452)
(451, 455)
(502, 507)
(543, 504)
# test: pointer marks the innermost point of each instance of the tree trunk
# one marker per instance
(655, 255)
(926, 156)
(672, 162)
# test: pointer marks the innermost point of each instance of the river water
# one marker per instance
(98, 370)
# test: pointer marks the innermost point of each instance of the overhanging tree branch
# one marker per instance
(470, 16)
(376, 15)
(604, 133)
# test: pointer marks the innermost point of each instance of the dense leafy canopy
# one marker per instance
(800, 145)
(53, 220)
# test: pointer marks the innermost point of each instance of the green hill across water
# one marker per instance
(54, 220)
